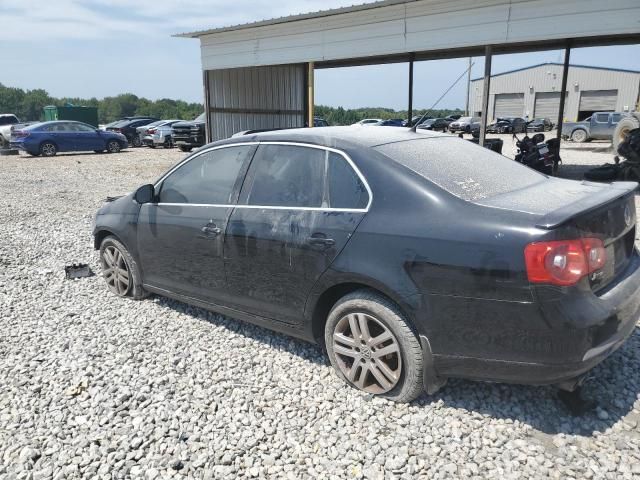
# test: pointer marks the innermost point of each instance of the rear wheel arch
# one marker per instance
(330, 296)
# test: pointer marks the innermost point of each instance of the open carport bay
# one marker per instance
(93, 384)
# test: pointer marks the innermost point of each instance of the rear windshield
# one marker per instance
(8, 120)
(460, 167)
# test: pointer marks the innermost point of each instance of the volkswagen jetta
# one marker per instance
(412, 257)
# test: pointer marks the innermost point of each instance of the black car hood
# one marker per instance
(119, 205)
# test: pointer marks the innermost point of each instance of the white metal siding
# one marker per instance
(598, 100)
(509, 105)
(547, 105)
(422, 25)
(256, 98)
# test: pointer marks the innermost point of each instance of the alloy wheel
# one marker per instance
(48, 149)
(115, 271)
(367, 353)
(114, 147)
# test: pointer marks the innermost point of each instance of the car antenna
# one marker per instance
(415, 126)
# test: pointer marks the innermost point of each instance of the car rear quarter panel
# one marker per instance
(452, 265)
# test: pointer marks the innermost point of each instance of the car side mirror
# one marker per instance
(144, 194)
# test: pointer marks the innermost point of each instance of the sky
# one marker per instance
(98, 48)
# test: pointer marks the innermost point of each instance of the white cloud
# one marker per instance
(36, 20)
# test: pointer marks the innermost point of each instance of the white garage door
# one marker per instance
(509, 105)
(598, 100)
(547, 105)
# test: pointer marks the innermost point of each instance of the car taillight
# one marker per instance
(564, 262)
(151, 131)
(19, 133)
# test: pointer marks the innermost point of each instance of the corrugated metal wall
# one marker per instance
(548, 78)
(255, 98)
(415, 26)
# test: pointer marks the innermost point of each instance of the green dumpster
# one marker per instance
(81, 114)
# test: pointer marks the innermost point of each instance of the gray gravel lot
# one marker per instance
(94, 386)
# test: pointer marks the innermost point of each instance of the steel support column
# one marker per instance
(485, 93)
(208, 135)
(410, 108)
(563, 90)
(310, 94)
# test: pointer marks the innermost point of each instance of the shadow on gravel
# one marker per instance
(613, 387)
(575, 172)
(279, 341)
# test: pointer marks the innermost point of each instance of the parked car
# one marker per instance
(320, 122)
(112, 124)
(322, 234)
(160, 135)
(49, 138)
(392, 122)
(368, 121)
(463, 124)
(508, 125)
(8, 123)
(540, 125)
(599, 126)
(453, 118)
(142, 129)
(435, 124)
(189, 135)
(128, 129)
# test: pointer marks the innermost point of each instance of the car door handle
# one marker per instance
(211, 230)
(320, 240)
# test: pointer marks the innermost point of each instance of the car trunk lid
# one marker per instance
(582, 210)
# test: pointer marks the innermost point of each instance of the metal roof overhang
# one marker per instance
(394, 31)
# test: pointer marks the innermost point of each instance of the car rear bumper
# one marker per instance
(555, 341)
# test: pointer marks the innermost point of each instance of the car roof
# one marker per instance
(339, 136)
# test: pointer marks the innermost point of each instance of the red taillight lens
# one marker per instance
(563, 262)
(151, 131)
(19, 133)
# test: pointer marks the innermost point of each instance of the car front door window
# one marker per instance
(181, 237)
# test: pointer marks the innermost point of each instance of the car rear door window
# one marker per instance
(344, 187)
(602, 117)
(287, 176)
(208, 178)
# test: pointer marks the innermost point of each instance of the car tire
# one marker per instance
(397, 375)
(185, 148)
(136, 142)
(48, 149)
(113, 146)
(579, 136)
(625, 125)
(120, 270)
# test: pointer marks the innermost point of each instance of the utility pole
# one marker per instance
(466, 109)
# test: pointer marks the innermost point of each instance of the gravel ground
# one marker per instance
(94, 386)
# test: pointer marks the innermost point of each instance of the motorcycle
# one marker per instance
(535, 153)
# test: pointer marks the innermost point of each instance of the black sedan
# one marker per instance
(411, 256)
(437, 124)
(540, 125)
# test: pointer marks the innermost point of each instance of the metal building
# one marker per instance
(260, 75)
(535, 92)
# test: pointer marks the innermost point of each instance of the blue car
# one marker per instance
(49, 138)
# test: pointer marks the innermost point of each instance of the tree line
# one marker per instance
(28, 105)
(342, 116)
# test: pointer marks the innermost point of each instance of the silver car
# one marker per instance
(159, 135)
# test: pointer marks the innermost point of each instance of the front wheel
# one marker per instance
(48, 149)
(184, 148)
(120, 270)
(136, 142)
(373, 348)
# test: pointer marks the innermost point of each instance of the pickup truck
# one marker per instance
(599, 126)
(7, 120)
(188, 135)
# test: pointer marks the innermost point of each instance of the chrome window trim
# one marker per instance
(274, 207)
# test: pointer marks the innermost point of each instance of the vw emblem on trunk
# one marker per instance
(627, 216)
